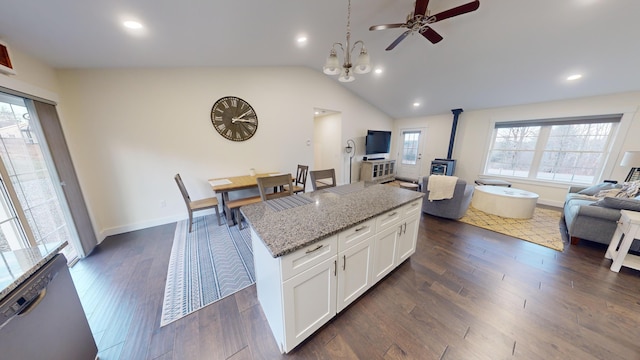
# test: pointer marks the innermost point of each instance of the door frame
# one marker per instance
(417, 168)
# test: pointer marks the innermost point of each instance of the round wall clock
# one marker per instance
(234, 118)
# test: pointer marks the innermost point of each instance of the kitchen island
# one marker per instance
(317, 252)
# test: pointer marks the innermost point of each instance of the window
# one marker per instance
(410, 141)
(32, 214)
(565, 150)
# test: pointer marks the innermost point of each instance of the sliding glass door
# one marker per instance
(32, 213)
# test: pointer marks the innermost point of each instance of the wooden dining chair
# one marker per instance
(202, 204)
(321, 179)
(281, 184)
(300, 184)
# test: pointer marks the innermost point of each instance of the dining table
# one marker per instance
(224, 186)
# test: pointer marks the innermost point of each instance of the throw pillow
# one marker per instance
(618, 203)
(625, 190)
(595, 189)
(629, 189)
(609, 193)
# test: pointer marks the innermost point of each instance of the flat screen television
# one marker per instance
(377, 142)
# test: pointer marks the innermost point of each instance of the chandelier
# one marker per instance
(332, 65)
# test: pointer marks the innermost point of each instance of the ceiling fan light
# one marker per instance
(332, 65)
(346, 76)
(363, 65)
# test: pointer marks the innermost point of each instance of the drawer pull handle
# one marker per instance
(361, 228)
(315, 249)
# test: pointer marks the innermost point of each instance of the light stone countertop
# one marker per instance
(16, 266)
(332, 211)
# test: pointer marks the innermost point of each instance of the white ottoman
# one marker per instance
(505, 201)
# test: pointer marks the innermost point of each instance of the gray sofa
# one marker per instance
(595, 219)
(453, 208)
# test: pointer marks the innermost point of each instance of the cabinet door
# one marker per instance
(355, 274)
(309, 301)
(407, 241)
(384, 252)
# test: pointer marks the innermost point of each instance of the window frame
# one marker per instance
(612, 143)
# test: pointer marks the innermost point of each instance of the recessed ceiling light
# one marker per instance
(416, 104)
(302, 39)
(574, 77)
(378, 71)
(130, 24)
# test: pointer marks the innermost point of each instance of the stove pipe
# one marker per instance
(454, 126)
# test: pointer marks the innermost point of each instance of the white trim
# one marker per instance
(24, 89)
(149, 224)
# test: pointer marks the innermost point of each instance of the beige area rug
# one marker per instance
(543, 229)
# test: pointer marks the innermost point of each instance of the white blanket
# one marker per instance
(441, 187)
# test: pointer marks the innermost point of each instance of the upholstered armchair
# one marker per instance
(453, 208)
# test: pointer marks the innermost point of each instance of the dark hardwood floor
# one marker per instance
(467, 293)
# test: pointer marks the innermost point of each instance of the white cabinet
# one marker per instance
(309, 301)
(385, 247)
(297, 291)
(408, 237)
(301, 291)
(378, 170)
(355, 275)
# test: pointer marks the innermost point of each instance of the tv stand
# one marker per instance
(379, 171)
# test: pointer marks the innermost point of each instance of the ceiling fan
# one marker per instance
(420, 19)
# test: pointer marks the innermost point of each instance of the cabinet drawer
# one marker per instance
(309, 256)
(411, 208)
(388, 219)
(353, 235)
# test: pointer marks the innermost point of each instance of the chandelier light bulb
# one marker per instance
(332, 65)
(363, 65)
(346, 75)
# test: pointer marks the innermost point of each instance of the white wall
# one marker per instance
(32, 76)
(132, 130)
(475, 128)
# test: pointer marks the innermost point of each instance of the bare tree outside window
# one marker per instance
(572, 152)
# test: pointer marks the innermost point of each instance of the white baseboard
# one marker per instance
(147, 224)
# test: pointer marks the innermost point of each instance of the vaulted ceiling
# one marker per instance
(507, 52)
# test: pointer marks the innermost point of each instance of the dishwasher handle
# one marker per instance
(26, 309)
(34, 292)
(32, 304)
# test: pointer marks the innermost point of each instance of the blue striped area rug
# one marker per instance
(205, 265)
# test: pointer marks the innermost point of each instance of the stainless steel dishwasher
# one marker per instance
(43, 318)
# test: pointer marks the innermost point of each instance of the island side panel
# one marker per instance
(269, 287)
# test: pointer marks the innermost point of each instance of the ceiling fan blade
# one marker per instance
(421, 7)
(459, 10)
(385, 26)
(431, 35)
(398, 40)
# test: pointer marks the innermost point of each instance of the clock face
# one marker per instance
(234, 118)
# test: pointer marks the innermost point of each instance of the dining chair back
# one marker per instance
(193, 206)
(299, 186)
(321, 179)
(281, 184)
